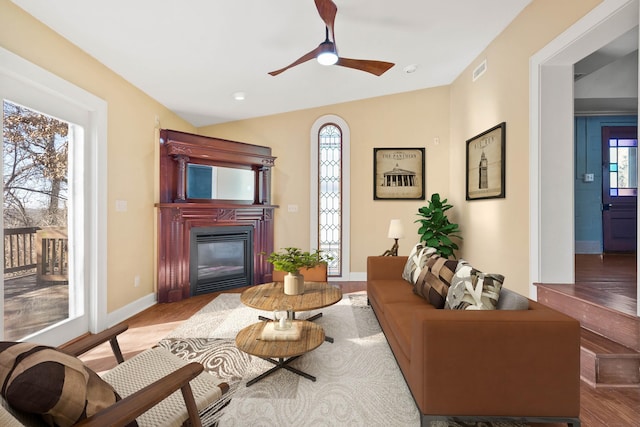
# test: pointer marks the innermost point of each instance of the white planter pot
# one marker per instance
(294, 284)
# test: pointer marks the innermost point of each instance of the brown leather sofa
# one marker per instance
(519, 365)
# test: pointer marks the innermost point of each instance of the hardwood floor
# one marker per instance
(599, 407)
(609, 280)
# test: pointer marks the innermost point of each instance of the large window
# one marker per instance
(35, 216)
(330, 195)
(54, 205)
(330, 210)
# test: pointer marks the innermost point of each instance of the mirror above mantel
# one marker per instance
(201, 169)
(219, 183)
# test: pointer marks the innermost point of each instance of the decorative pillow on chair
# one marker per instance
(416, 261)
(435, 278)
(42, 380)
(473, 290)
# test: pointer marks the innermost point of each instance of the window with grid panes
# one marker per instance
(330, 195)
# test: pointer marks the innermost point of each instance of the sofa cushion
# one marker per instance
(510, 300)
(42, 380)
(435, 279)
(400, 317)
(416, 261)
(473, 290)
(391, 291)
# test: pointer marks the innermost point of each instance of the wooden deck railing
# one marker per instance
(45, 250)
(20, 249)
(53, 254)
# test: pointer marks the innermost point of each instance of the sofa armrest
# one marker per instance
(497, 363)
(385, 267)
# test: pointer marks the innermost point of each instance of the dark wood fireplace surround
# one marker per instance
(177, 213)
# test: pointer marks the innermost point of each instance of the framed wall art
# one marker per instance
(486, 164)
(398, 173)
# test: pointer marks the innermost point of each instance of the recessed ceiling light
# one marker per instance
(410, 68)
(239, 96)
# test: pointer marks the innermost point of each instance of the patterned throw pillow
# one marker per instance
(42, 380)
(416, 261)
(435, 278)
(473, 290)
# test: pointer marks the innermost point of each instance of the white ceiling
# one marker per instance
(191, 56)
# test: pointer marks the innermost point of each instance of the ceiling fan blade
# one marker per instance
(327, 10)
(304, 58)
(374, 67)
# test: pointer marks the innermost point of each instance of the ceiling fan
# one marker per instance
(327, 54)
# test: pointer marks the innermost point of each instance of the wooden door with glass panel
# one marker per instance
(619, 188)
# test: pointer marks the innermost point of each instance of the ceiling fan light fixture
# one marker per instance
(327, 54)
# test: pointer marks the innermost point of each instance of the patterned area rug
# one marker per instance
(358, 380)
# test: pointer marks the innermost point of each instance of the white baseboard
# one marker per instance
(358, 277)
(132, 309)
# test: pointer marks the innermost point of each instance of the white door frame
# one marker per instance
(551, 138)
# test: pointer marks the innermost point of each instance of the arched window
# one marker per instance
(330, 195)
(330, 192)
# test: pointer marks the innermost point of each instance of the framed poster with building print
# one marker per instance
(486, 164)
(398, 174)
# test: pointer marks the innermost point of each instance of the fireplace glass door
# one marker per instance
(221, 258)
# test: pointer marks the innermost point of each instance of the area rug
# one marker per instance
(358, 380)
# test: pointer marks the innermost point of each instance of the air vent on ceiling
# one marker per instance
(479, 70)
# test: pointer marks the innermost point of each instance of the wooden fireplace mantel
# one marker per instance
(177, 214)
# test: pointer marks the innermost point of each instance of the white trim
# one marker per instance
(551, 124)
(346, 185)
(358, 276)
(131, 309)
(94, 120)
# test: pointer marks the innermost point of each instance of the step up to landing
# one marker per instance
(616, 326)
(605, 363)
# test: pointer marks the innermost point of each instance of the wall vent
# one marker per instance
(479, 70)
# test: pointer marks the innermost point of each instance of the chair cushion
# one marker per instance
(152, 365)
(42, 380)
(434, 279)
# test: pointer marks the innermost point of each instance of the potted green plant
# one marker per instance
(435, 229)
(291, 260)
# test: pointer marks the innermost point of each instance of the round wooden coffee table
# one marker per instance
(271, 296)
(280, 353)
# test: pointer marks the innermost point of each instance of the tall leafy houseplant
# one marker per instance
(435, 229)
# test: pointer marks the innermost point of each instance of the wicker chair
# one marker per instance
(148, 384)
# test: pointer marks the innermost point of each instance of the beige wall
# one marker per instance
(411, 119)
(131, 151)
(496, 232)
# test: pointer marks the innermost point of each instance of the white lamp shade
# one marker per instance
(396, 230)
